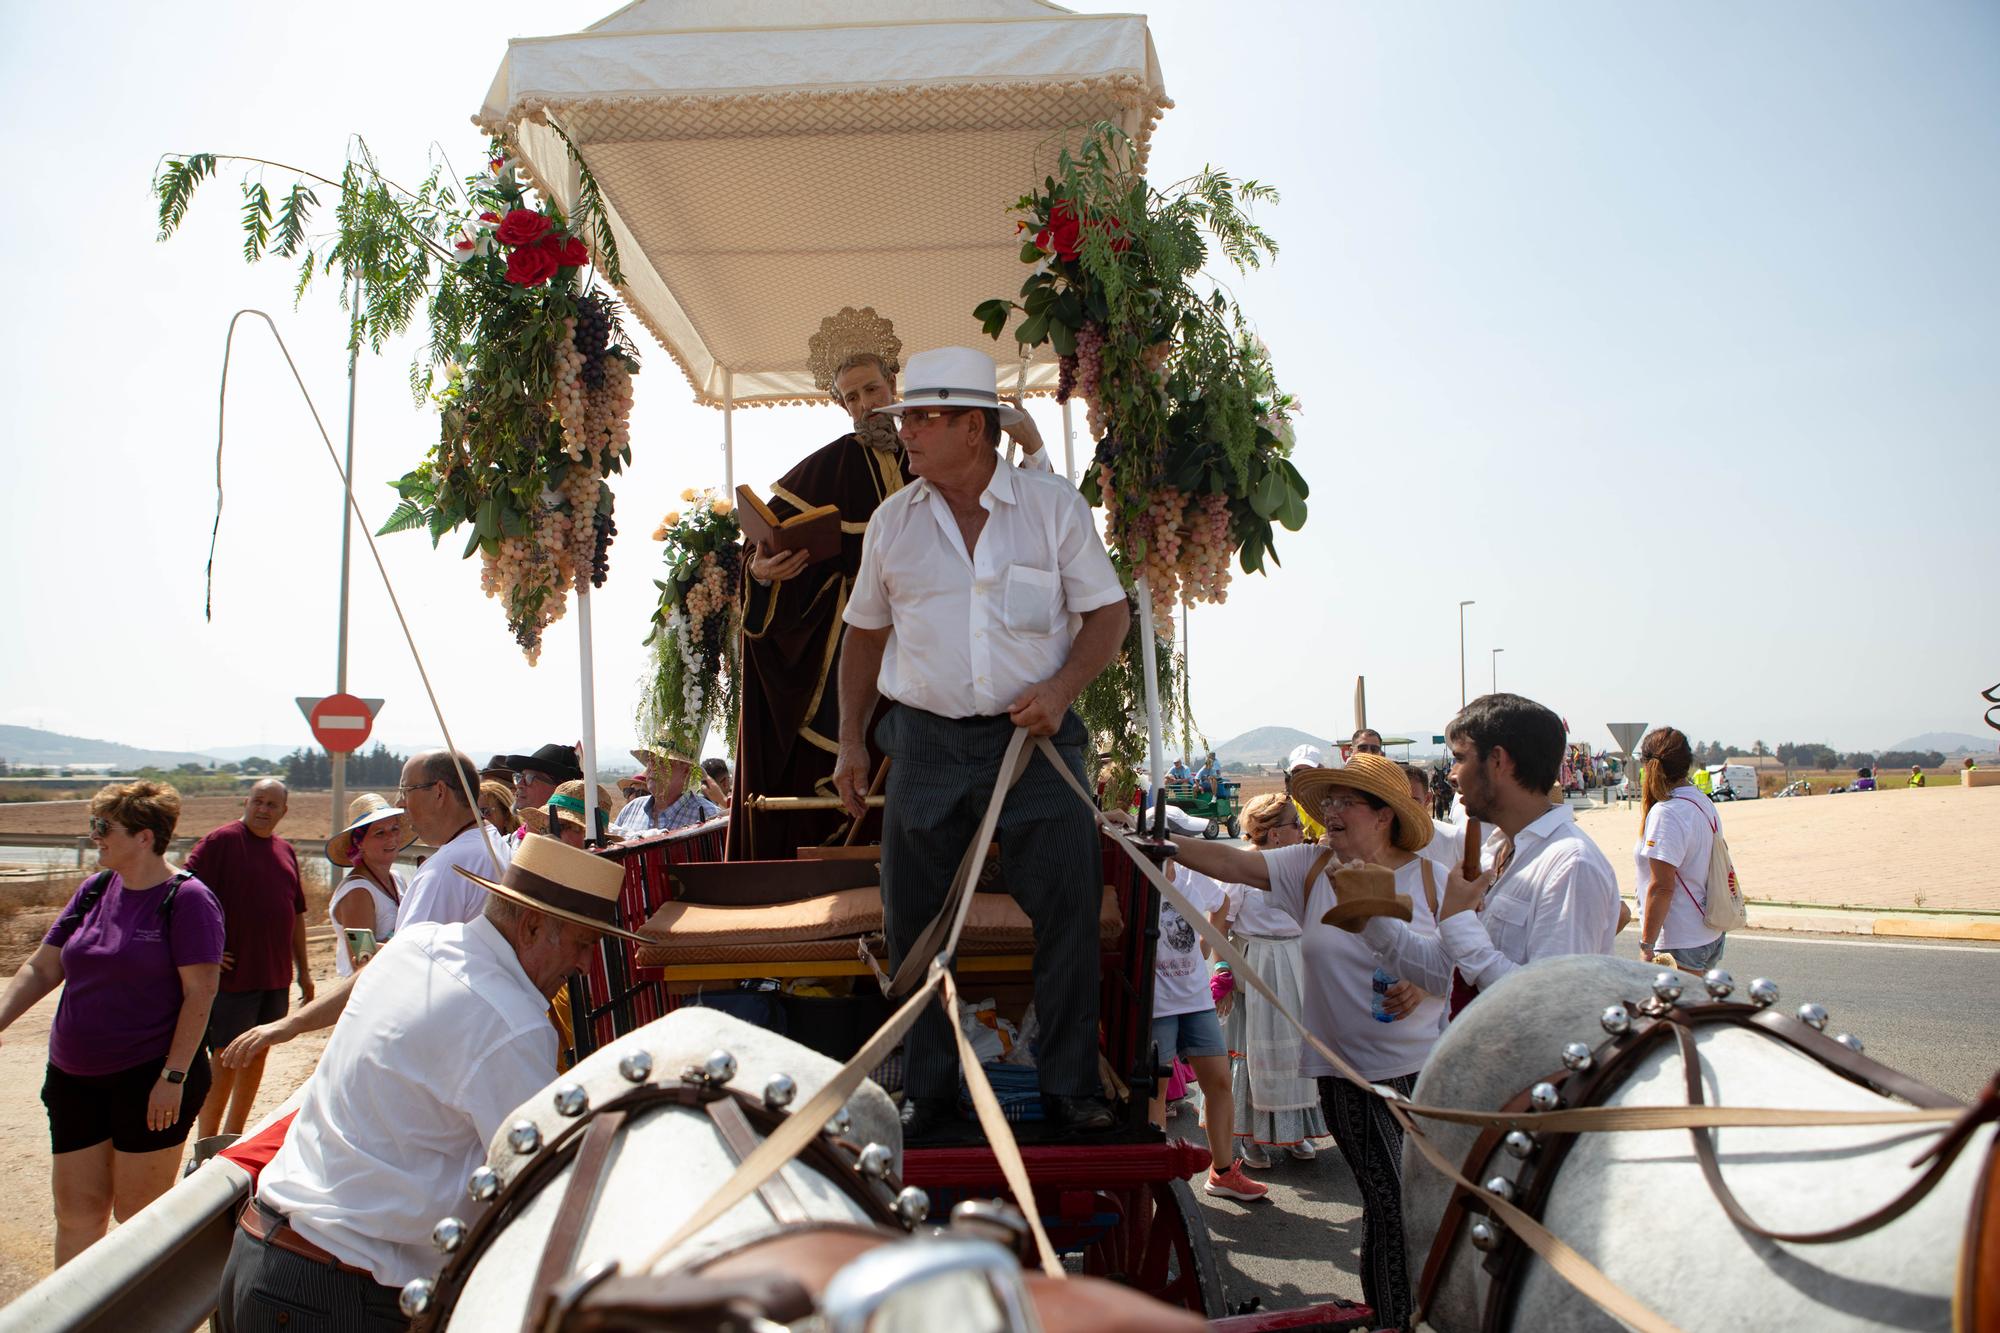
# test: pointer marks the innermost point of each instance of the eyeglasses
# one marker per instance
(528, 777)
(403, 788)
(1333, 805)
(100, 827)
(922, 416)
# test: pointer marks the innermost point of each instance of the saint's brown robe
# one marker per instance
(789, 733)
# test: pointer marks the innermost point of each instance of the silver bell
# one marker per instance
(1544, 1097)
(1763, 992)
(448, 1235)
(525, 1137)
(1667, 986)
(1720, 984)
(1501, 1187)
(1850, 1041)
(1813, 1016)
(840, 1124)
(415, 1298)
(1615, 1020)
(571, 1100)
(1576, 1057)
(718, 1069)
(483, 1184)
(1519, 1144)
(778, 1093)
(875, 1160)
(1485, 1235)
(636, 1067)
(913, 1205)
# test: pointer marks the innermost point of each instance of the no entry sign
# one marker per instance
(340, 722)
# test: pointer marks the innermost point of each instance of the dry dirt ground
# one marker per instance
(306, 817)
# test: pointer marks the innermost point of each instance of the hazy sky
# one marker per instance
(1665, 332)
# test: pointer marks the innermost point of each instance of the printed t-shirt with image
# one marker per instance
(1180, 973)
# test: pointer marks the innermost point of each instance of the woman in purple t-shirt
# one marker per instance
(138, 967)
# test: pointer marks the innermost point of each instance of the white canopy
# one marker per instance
(768, 162)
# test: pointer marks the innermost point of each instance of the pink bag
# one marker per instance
(1182, 1076)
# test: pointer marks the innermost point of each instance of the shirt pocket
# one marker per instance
(1509, 911)
(1031, 600)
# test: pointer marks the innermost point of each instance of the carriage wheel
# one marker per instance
(1161, 1247)
(1235, 828)
(1211, 829)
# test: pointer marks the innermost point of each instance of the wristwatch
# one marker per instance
(174, 1075)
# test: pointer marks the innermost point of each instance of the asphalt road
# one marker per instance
(1925, 1009)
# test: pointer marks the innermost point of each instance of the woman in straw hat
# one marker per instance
(1370, 818)
(1277, 1110)
(369, 896)
(562, 817)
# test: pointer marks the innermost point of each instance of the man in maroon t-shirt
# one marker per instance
(255, 877)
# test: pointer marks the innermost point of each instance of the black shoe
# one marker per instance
(1083, 1115)
(927, 1117)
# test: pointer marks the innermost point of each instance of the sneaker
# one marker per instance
(1233, 1184)
(1252, 1156)
(1302, 1151)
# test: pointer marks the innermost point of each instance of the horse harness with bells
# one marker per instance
(1588, 1078)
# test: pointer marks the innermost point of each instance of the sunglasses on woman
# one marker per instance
(100, 827)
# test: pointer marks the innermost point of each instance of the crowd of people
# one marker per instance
(977, 599)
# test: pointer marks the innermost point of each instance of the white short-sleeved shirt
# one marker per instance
(443, 1036)
(1251, 912)
(385, 913)
(439, 893)
(968, 632)
(1680, 832)
(1180, 973)
(1340, 973)
(1557, 896)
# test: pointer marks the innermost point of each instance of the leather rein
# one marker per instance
(1589, 1082)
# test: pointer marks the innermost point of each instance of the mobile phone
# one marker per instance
(360, 943)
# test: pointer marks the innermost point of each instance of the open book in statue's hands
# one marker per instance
(815, 531)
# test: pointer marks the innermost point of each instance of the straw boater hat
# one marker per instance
(363, 810)
(664, 751)
(953, 377)
(1380, 778)
(566, 803)
(562, 881)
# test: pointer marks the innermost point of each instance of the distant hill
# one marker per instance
(1948, 742)
(47, 749)
(1267, 745)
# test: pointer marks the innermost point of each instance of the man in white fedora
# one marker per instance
(984, 601)
(445, 1033)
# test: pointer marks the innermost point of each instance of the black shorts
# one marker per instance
(87, 1109)
(236, 1012)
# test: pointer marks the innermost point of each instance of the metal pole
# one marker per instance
(1461, 653)
(337, 818)
(1069, 444)
(584, 669)
(1187, 685)
(1149, 651)
(729, 435)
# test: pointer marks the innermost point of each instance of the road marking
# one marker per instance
(1866, 942)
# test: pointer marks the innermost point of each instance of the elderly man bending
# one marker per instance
(445, 1033)
(984, 602)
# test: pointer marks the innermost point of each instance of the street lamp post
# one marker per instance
(1461, 652)
(1496, 669)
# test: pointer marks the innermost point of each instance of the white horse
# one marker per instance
(664, 1162)
(1636, 1204)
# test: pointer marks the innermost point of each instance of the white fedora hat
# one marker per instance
(953, 377)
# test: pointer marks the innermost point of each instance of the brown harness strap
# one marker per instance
(742, 1140)
(586, 1175)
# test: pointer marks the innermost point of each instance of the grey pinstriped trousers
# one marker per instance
(939, 785)
(269, 1290)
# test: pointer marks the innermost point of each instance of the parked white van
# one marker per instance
(1732, 782)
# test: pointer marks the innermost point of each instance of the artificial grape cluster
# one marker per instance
(600, 560)
(1065, 378)
(1185, 540)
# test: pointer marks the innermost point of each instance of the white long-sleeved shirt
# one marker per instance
(1557, 896)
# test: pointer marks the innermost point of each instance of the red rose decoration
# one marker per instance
(489, 217)
(531, 264)
(1063, 233)
(568, 250)
(1121, 240)
(523, 226)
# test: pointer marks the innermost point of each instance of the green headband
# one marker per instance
(571, 803)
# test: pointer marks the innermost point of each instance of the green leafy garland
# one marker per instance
(695, 678)
(526, 362)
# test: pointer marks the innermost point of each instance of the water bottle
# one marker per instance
(1379, 1006)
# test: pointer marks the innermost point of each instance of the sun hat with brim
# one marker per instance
(564, 806)
(565, 882)
(1380, 778)
(362, 811)
(1362, 893)
(558, 761)
(663, 752)
(953, 377)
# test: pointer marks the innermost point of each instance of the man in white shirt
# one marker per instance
(984, 601)
(447, 1034)
(1555, 893)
